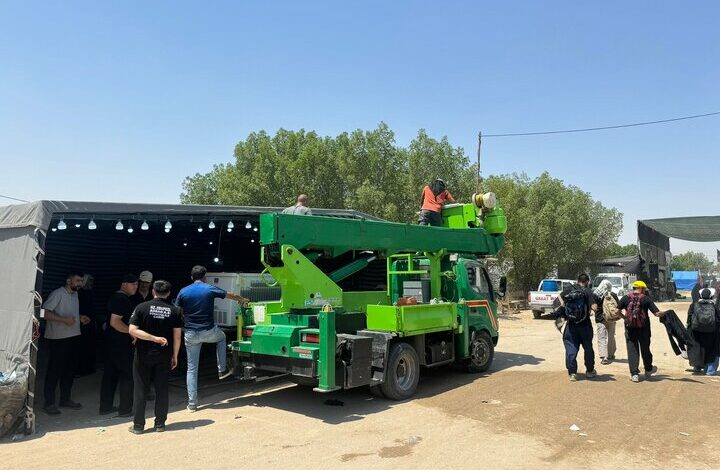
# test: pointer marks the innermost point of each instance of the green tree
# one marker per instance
(551, 226)
(691, 261)
(615, 250)
(361, 170)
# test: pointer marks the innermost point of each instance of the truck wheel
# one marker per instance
(402, 372)
(537, 314)
(482, 352)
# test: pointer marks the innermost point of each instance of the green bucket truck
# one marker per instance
(436, 305)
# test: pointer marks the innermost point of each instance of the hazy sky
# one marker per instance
(119, 101)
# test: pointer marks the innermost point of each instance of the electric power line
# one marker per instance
(588, 129)
(13, 198)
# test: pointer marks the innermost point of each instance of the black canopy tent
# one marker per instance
(40, 242)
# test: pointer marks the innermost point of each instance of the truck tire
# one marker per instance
(537, 314)
(482, 353)
(402, 372)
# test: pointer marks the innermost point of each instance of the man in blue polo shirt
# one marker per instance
(198, 301)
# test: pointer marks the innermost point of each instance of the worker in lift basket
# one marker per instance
(433, 198)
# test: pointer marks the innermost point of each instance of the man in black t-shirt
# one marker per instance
(157, 326)
(637, 329)
(118, 363)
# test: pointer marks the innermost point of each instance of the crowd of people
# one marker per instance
(698, 339)
(143, 336)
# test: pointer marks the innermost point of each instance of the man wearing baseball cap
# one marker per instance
(144, 291)
(118, 365)
(634, 308)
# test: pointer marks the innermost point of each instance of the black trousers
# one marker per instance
(86, 350)
(430, 218)
(117, 375)
(638, 343)
(61, 368)
(149, 369)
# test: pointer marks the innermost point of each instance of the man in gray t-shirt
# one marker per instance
(300, 208)
(62, 313)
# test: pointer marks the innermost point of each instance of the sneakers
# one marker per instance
(135, 430)
(225, 374)
(635, 378)
(70, 404)
(159, 428)
(591, 374)
(51, 410)
(604, 361)
(192, 408)
(649, 373)
(573, 377)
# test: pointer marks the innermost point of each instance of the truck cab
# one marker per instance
(621, 282)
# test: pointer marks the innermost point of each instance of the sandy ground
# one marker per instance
(517, 416)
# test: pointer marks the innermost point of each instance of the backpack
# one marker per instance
(611, 311)
(636, 315)
(703, 319)
(576, 306)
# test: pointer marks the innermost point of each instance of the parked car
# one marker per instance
(543, 300)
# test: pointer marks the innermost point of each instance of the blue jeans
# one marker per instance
(574, 337)
(193, 342)
(712, 367)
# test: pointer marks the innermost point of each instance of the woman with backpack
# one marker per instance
(605, 317)
(434, 196)
(634, 308)
(703, 322)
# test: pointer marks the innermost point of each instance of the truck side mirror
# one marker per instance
(502, 288)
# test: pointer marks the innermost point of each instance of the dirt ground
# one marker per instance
(517, 416)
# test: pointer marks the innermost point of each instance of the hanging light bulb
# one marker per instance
(254, 229)
(119, 225)
(77, 225)
(61, 225)
(168, 226)
(231, 225)
(92, 225)
(248, 225)
(252, 240)
(167, 230)
(210, 243)
(211, 225)
(200, 229)
(144, 225)
(229, 229)
(184, 243)
(54, 229)
(130, 229)
(216, 259)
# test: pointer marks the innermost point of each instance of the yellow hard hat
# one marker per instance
(639, 285)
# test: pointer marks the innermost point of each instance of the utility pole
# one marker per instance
(477, 181)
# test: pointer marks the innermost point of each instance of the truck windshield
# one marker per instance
(616, 281)
(550, 285)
